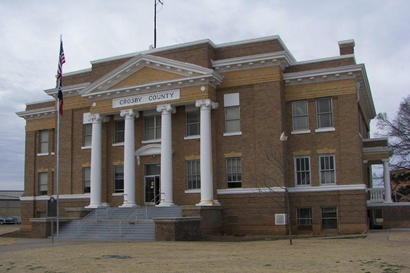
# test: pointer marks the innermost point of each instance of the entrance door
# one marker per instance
(152, 183)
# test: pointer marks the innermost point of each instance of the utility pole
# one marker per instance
(155, 20)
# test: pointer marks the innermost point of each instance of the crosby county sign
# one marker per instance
(146, 98)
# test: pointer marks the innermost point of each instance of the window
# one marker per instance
(300, 117)
(87, 129)
(152, 127)
(329, 218)
(232, 113)
(327, 169)
(193, 174)
(86, 179)
(119, 131)
(324, 112)
(43, 183)
(192, 123)
(119, 178)
(304, 216)
(232, 119)
(43, 142)
(302, 170)
(234, 172)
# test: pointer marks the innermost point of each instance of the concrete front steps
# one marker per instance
(113, 224)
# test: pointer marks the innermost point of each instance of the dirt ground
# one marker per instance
(385, 251)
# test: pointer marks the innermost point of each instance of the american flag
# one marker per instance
(61, 61)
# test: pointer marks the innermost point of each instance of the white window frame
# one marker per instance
(86, 179)
(296, 171)
(115, 179)
(155, 128)
(302, 116)
(318, 127)
(88, 135)
(334, 169)
(190, 111)
(237, 174)
(42, 141)
(232, 101)
(193, 179)
(40, 184)
(117, 131)
(298, 218)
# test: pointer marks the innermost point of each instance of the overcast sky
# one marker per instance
(30, 30)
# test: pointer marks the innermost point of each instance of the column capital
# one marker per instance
(96, 118)
(129, 113)
(166, 108)
(207, 103)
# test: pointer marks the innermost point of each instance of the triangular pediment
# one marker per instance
(146, 75)
(144, 70)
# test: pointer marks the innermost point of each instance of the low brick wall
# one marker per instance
(395, 215)
(177, 229)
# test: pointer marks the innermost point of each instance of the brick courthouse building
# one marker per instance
(199, 126)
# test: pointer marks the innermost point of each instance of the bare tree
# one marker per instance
(399, 131)
(275, 178)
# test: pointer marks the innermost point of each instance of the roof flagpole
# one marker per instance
(155, 21)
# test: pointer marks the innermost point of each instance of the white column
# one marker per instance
(129, 158)
(95, 176)
(207, 187)
(166, 155)
(387, 186)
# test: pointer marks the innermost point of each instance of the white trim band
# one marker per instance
(293, 189)
(61, 196)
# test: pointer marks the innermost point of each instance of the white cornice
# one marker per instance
(320, 60)
(357, 72)
(77, 72)
(293, 189)
(281, 58)
(154, 87)
(204, 41)
(68, 91)
(186, 70)
(41, 113)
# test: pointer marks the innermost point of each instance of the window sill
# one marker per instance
(42, 154)
(118, 144)
(325, 129)
(193, 191)
(303, 186)
(118, 194)
(86, 148)
(233, 134)
(151, 141)
(300, 132)
(192, 137)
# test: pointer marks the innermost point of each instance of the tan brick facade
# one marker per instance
(266, 87)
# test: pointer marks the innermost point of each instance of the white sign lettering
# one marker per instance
(146, 98)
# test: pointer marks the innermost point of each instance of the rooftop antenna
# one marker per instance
(155, 20)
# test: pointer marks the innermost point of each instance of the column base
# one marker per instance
(127, 205)
(208, 203)
(165, 204)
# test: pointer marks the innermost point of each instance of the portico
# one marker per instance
(122, 92)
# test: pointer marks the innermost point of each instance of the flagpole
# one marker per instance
(58, 155)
